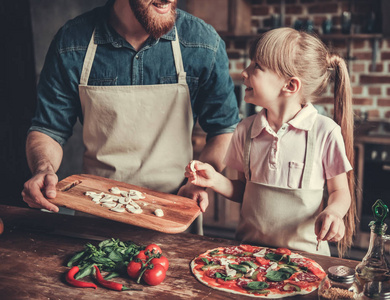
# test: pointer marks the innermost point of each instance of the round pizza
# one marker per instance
(257, 271)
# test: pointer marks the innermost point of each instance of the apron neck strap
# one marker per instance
(181, 75)
(309, 157)
(247, 151)
(91, 51)
(310, 147)
(88, 61)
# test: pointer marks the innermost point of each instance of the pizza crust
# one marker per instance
(199, 276)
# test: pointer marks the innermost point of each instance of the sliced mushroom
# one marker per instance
(133, 209)
(158, 212)
(118, 208)
(115, 190)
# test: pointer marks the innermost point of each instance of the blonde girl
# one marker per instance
(287, 153)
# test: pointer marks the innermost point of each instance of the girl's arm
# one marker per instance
(329, 225)
(204, 175)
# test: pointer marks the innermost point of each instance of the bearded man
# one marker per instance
(137, 74)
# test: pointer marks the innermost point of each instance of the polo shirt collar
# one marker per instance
(304, 120)
(105, 34)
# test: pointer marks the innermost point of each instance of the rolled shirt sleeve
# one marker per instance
(58, 102)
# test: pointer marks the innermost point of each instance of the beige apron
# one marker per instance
(137, 134)
(281, 217)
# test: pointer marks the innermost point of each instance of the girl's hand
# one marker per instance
(329, 226)
(200, 174)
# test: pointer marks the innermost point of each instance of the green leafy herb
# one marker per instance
(281, 274)
(205, 260)
(223, 276)
(273, 256)
(239, 268)
(257, 285)
(111, 255)
(214, 252)
(249, 264)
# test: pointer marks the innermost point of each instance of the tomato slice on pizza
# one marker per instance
(257, 271)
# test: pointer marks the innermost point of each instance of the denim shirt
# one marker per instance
(116, 62)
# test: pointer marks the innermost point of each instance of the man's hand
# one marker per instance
(41, 185)
(195, 193)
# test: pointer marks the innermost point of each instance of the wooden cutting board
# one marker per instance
(179, 212)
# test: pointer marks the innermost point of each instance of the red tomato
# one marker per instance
(154, 276)
(301, 284)
(247, 248)
(262, 261)
(227, 283)
(260, 276)
(141, 255)
(161, 261)
(133, 269)
(316, 271)
(282, 251)
(153, 249)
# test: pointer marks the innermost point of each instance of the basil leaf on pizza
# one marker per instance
(257, 271)
(257, 285)
(239, 268)
(280, 275)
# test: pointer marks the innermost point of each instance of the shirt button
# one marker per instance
(136, 57)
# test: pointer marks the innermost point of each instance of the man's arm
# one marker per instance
(215, 149)
(44, 156)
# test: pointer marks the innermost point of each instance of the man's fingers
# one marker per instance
(35, 189)
(51, 181)
(203, 201)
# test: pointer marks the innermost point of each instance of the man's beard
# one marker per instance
(155, 24)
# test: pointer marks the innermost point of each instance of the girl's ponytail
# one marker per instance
(343, 115)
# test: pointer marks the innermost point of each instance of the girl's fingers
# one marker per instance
(324, 225)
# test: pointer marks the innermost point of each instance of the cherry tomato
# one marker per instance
(262, 261)
(282, 251)
(153, 249)
(161, 261)
(134, 269)
(141, 255)
(154, 276)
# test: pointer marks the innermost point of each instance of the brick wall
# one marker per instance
(370, 83)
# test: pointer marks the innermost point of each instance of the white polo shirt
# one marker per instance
(278, 158)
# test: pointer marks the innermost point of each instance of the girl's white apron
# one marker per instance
(137, 134)
(281, 217)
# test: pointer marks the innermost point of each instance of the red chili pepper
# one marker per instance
(70, 279)
(109, 284)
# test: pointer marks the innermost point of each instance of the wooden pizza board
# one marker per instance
(179, 212)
